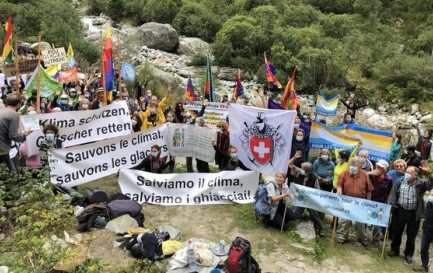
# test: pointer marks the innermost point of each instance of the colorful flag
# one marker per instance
(189, 93)
(270, 74)
(70, 57)
(239, 88)
(127, 71)
(68, 75)
(290, 101)
(53, 70)
(326, 107)
(209, 90)
(107, 61)
(274, 105)
(49, 86)
(7, 49)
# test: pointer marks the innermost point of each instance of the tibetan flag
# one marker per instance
(270, 74)
(239, 88)
(70, 57)
(209, 90)
(49, 86)
(7, 49)
(190, 94)
(107, 61)
(290, 101)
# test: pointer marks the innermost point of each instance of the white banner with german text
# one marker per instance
(226, 187)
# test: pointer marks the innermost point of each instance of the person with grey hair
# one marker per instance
(354, 182)
(278, 191)
(304, 176)
(407, 200)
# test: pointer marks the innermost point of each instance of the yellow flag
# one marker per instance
(70, 53)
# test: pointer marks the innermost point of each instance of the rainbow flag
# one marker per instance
(107, 62)
(270, 74)
(239, 88)
(290, 101)
(189, 93)
(209, 90)
(7, 49)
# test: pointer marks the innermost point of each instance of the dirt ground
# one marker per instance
(271, 248)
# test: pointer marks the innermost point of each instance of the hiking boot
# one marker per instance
(392, 253)
(420, 269)
(408, 259)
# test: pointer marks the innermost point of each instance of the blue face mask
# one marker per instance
(407, 177)
(353, 169)
(49, 137)
(430, 199)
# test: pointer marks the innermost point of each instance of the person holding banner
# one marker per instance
(352, 107)
(343, 158)
(278, 192)
(354, 182)
(300, 145)
(153, 163)
(347, 121)
(406, 197)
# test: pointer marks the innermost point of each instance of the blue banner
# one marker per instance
(342, 206)
(127, 71)
(327, 107)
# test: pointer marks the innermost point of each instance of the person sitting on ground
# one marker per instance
(153, 163)
(299, 144)
(342, 165)
(424, 144)
(348, 120)
(412, 157)
(50, 142)
(304, 176)
(323, 167)
(366, 164)
(382, 184)
(354, 182)
(407, 200)
(352, 107)
(427, 234)
(398, 171)
(395, 147)
(278, 192)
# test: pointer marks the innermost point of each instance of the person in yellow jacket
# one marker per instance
(159, 106)
(342, 165)
(153, 119)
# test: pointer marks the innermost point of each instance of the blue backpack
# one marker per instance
(262, 202)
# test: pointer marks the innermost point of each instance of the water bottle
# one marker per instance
(192, 263)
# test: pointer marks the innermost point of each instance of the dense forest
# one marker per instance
(374, 47)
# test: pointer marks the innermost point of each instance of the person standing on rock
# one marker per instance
(407, 200)
(352, 107)
(424, 144)
(354, 182)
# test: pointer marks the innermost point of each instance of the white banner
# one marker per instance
(214, 113)
(81, 127)
(77, 165)
(191, 140)
(54, 56)
(263, 137)
(226, 187)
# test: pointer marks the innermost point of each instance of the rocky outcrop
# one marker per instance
(191, 45)
(158, 36)
(44, 46)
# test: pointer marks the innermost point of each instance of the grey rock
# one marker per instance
(175, 234)
(227, 74)
(426, 118)
(305, 229)
(4, 269)
(2, 236)
(44, 46)
(121, 224)
(99, 21)
(299, 246)
(158, 36)
(378, 121)
(368, 112)
(418, 116)
(426, 113)
(166, 79)
(382, 108)
(190, 46)
(414, 108)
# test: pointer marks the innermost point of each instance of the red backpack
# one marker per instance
(239, 258)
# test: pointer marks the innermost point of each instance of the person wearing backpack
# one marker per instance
(277, 193)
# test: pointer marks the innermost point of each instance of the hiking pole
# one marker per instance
(334, 229)
(385, 239)
(284, 218)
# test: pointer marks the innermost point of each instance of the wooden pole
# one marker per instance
(334, 231)
(385, 239)
(38, 83)
(103, 82)
(119, 58)
(284, 218)
(17, 68)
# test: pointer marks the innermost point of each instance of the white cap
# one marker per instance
(382, 163)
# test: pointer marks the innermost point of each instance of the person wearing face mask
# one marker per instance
(304, 176)
(9, 124)
(73, 97)
(156, 106)
(51, 141)
(202, 166)
(323, 168)
(84, 104)
(382, 184)
(152, 120)
(366, 164)
(188, 119)
(427, 234)
(342, 165)
(410, 155)
(136, 122)
(407, 200)
(399, 170)
(278, 192)
(153, 163)
(304, 122)
(424, 144)
(222, 145)
(299, 144)
(63, 103)
(352, 107)
(347, 121)
(354, 182)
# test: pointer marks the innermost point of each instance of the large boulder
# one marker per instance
(158, 36)
(379, 121)
(368, 112)
(44, 46)
(191, 45)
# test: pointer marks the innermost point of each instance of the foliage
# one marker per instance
(198, 59)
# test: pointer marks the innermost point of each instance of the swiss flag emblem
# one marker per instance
(262, 149)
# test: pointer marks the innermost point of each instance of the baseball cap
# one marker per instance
(383, 164)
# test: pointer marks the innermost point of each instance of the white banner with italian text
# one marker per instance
(80, 164)
(226, 187)
(79, 127)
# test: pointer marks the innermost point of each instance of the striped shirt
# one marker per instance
(9, 123)
(407, 198)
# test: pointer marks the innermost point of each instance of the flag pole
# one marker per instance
(38, 84)
(267, 83)
(385, 239)
(119, 68)
(103, 71)
(17, 68)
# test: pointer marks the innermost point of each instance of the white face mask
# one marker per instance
(154, 154)
(299, 138)
(134, 122)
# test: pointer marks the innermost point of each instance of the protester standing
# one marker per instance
(323, 168)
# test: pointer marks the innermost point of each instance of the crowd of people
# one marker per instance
(398, 182)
